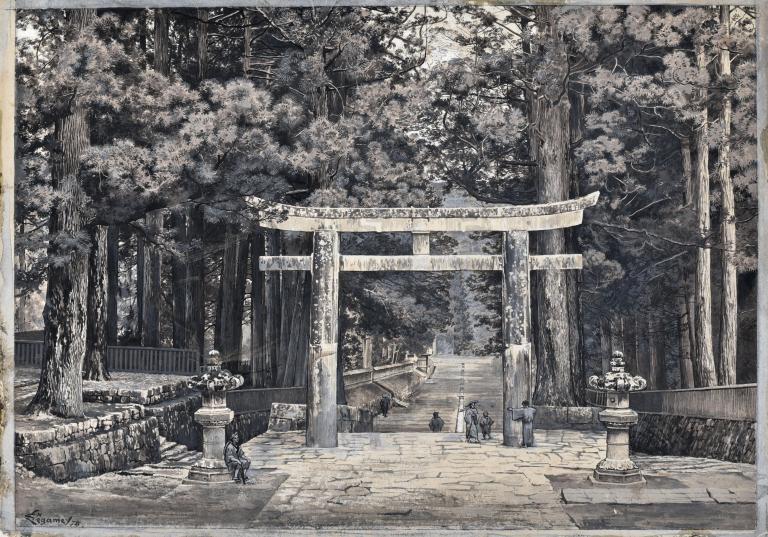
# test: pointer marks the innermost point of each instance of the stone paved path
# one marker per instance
(479, 378)
(402, 478)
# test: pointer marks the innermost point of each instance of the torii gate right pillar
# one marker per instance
(516, 308)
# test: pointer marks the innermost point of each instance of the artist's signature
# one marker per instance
(36, 518)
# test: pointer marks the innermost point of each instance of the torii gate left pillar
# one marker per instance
(323, 341)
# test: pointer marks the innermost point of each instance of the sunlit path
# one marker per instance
(477, 377)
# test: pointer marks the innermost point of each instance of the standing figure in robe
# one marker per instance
(472, 423)
(526, 415)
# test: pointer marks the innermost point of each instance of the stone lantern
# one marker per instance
(617, 468)
(213, 382)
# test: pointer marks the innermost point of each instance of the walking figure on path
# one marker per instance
(472, 422)
(235, 459)
(526, 415)
(385, 403)
(486, 422)
(436, 423)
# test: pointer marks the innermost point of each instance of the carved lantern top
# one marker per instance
(213, 378)
(617, 380)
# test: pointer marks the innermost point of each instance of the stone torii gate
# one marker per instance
(515, 261)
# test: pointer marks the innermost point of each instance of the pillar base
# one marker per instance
(207, 476)
(621, 478)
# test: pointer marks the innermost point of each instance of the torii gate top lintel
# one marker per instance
(535, 217)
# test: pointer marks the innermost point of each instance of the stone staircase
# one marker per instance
(174, 458)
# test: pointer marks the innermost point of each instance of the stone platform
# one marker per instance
(414, 480)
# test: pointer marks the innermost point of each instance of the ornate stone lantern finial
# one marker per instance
(617, 468)
(213, 382)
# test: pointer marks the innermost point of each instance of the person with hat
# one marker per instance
(472, 423)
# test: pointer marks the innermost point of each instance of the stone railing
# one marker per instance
(254, 399)
(140, 359)
(737, 402)
(356, 377)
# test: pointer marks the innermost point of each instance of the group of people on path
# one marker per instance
(474, 425)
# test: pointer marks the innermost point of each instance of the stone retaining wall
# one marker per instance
(287, 417)
(176, 421)
(123, 446)
(249, 424)
(34, 439)
(567, 417)
(666, 434)
(149, 396)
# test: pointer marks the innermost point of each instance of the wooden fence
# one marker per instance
(737, 402)
(139, 359)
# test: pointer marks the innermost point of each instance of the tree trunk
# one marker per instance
(179, 284)
(729, 299)
(152, 283)
(113, 282)
(661, 354)
(652, 365)
(162, 61)
(95, 362)
(683, 323)
(554, 384)
(21, 303)
(272, 304)
(550, 144)
(60, 390)
(258, 314)
(704, 362)
(195, 288)
(229, 318)
(605, 344)
(202, 44)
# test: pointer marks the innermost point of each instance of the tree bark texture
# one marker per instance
(95, 362)
(202, 44)
(729, 297)
(259, 355)
(195, 288)
(60, 390)
(704, 362)
(162, 63)
(179, 283)
(113, 282)
(554, 382)
(683, 323)
(151, 278)
(229, 319)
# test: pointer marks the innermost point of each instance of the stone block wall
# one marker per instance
(124, 446)
(176, 422)
(567, 417)
(249, 424)
(149, 396)
(61, 433)
(349, 419)
(666, 434)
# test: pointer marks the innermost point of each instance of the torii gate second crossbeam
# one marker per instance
(325, 263)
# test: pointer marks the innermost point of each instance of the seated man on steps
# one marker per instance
(235, 459)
